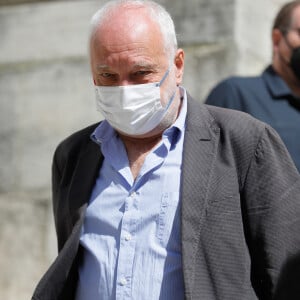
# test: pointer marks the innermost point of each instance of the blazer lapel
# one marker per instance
(200, 144)
(84, 178)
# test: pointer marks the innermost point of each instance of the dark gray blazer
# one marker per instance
(240, 195)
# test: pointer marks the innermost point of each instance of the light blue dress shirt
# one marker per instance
(131, 234)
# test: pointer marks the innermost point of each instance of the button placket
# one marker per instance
(127, 247)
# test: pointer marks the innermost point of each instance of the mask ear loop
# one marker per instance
(170, 101)
(163, 78)
(173, 96)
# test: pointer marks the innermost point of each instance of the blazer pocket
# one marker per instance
(225, 205)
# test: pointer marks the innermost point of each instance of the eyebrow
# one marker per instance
(102, 67)
(142, 64)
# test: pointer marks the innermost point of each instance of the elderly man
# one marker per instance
(274, 96)
(166, 198)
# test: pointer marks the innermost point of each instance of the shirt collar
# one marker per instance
(105, 132)
(276, 84)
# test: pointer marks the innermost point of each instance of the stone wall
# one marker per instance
(252, 34)
(46, 93)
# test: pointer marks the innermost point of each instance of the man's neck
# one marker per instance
(137, 150)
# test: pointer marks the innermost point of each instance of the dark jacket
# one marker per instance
(240, 216)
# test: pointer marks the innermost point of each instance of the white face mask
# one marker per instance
(132, 109)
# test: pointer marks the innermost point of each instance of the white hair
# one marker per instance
(156, 12)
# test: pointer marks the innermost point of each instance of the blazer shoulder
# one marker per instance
(232, 119)
(239, 128)
(220, 117)
(233, 125)
(75, 141)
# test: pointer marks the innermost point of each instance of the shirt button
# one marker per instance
(123, 281)
(127, 237)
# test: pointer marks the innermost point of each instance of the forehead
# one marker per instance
(129, 24)
(128, 34)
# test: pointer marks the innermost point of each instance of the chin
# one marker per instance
(151, 134)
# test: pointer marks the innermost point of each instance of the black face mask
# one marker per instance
(295, 61)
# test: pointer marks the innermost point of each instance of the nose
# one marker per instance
(124, 81)
(127, 79)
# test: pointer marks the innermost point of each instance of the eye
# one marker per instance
(106, 75)
(142, 72)
(107, 78)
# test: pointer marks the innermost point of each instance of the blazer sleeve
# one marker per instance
(271, 211)
(58, 166)
(63, 166)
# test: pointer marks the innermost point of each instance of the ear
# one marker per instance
(179, 63)
(276, 38)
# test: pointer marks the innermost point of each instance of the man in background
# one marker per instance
(274, 96)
